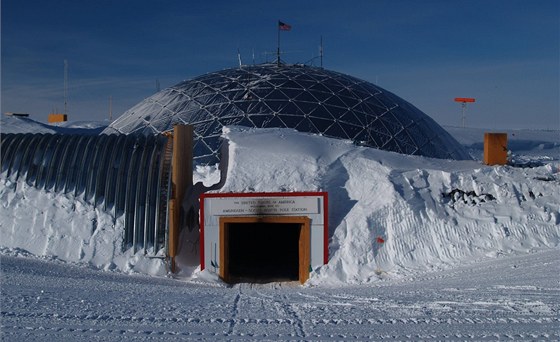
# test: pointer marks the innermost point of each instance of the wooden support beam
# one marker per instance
(181, 179)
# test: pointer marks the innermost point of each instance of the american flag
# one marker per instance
(283, 26)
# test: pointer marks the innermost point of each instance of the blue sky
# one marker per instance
(504, 53)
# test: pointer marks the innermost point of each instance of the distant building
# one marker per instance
(23, 115)
(57, 118)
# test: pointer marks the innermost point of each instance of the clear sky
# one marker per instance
(504, 53)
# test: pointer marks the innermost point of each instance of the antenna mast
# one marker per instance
(110, 108)
(464, 101)
(65, 86)
(321, 52)
(278, 47)
(239, 58)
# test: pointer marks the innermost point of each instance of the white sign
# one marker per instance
(265, 205)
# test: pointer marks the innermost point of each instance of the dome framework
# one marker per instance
(308, 99)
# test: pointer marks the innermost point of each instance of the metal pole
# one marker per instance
(463, 108)
(278, 49)
(321, 52)
(65, 86)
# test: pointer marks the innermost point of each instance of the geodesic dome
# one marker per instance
(308, 99)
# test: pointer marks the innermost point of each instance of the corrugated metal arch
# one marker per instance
(120, 174)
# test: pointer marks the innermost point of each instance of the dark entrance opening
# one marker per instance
(264, 249)
(264, 252)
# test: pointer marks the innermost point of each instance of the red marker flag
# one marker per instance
(283, 26)
(380, 239)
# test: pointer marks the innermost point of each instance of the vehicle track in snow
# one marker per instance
(323, 329)
(508, 298)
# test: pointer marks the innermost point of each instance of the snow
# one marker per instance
(14, 124)
(420, 249)
(506, 298)
(431, 213)
(55, 225)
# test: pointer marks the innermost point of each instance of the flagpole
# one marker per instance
(278, 49)
(321, 52)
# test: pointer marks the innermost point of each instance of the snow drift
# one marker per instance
(55, 225)
(390, 215)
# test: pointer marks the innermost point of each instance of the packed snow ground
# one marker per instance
(470, 251)
(505, 298)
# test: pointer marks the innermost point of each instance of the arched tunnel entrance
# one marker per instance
(264, 249)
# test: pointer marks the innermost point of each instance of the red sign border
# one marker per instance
(324, 194)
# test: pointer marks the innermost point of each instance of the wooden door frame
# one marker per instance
(304, 243)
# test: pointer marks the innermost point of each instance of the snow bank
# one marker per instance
(392, 214)
(56, 225)
(14, 124)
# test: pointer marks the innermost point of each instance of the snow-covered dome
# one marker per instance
(308, 99)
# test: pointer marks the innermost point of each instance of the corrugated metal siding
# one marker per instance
(125, 175)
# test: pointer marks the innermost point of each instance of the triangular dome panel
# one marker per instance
(309, 99)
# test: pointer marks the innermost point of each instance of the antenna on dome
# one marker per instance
(321, 51)
(239, 58)
(65, 86)
(110, 108)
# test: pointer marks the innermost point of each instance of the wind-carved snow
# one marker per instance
(402, 201)
(55, 225)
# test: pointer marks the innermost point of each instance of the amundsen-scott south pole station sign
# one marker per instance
(216, 206)
(265, 206)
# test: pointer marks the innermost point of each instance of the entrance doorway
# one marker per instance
(264, 249)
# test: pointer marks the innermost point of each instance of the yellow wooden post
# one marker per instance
(181, 179)
(495, 148)
(57, 118)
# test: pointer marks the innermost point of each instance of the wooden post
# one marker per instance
(181, 179)
(304, 246)
(57, 118)
(495, 148)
